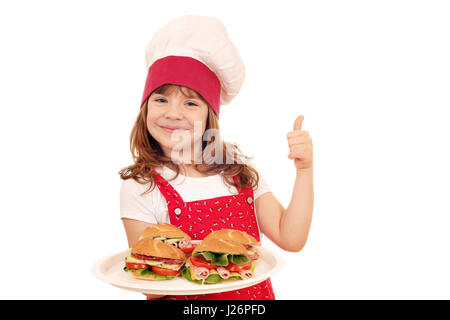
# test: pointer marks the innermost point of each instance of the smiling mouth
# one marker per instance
(170, 130)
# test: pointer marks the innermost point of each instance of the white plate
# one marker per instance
(110, 269)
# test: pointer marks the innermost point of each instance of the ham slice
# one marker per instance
(185, 243)
(200, 273)
(254, 255)
(165, 260)
(223, 273)
(246, 274)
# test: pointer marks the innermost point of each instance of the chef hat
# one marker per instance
(195, 52)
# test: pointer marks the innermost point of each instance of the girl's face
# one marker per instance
(171, 115)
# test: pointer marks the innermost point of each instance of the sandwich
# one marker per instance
(154, 260)
(248, 241)
(169, 234)
(218, 260)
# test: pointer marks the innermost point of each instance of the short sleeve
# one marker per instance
(135, 206)
(263, 186)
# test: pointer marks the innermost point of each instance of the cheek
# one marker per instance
(200, 119)
(152, 119)
(197, 124)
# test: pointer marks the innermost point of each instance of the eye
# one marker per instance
(191, 104)
(158, 100)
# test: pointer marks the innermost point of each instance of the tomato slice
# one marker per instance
(239, 267)
(164, 271)
(199, 261)
(132, 265)
(187, 250)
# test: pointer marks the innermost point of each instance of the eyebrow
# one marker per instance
(187, 98)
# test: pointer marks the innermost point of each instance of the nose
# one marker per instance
(174, 111)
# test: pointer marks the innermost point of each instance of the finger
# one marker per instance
(296, 140)
(297, 151)
(298, 123)
(293, 134)
(297, 134)
(294, 156)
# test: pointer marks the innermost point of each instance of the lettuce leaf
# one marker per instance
(217, 259)
(221, 259)
(239, 259)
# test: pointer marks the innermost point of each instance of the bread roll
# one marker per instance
(157, 248)
(163, 230)
(221, 246)
(235, 235)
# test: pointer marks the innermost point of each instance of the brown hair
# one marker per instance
(147, 153)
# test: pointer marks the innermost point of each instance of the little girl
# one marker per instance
(184, 173)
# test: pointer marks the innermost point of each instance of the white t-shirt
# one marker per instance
(152, 206)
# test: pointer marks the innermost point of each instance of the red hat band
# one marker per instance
(185, 71)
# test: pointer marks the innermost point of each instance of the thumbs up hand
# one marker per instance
(300, 146)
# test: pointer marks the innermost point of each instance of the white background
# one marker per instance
(372, 79)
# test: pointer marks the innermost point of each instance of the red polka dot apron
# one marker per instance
(199, 218)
